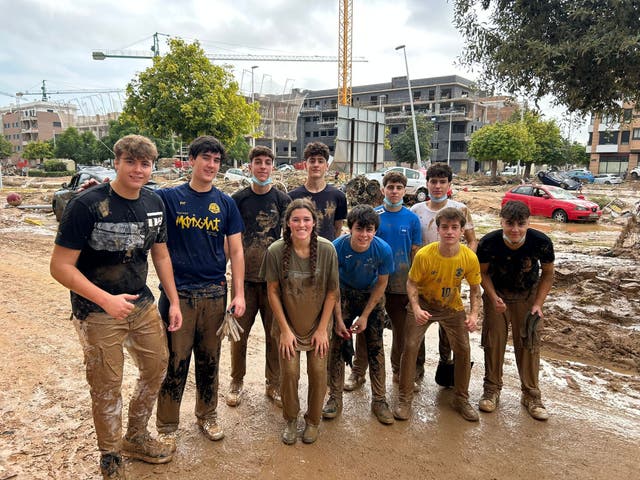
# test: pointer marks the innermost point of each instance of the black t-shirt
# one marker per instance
(262, 216)
(515, 270)
(114, 236)
(331, 204)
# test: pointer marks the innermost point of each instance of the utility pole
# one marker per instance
(413, 113)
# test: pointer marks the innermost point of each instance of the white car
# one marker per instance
(416, 181)
(235, 175)
(607, 178)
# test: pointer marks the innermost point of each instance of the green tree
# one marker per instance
(238, 150)
(575, 153)
(6, 149)
(123, 126)
(583, 52)
(68, 144)
(184, 94)
(548, 148)
(508, 142)
(88, 149)
(403, 146)
(37, 151)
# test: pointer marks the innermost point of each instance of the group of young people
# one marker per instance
(313, 286)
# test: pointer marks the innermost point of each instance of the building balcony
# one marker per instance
(605, 148)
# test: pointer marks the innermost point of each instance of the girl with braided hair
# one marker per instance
(301, 270)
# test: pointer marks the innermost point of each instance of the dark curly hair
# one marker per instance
(286, 235)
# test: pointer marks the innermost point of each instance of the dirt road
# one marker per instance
(589, 379)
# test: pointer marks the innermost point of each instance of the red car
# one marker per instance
(554, 202)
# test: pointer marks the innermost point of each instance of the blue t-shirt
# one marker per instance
(197, 223)
(360, 270)
(401, 230)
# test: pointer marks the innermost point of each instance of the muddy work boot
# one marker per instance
(464, 408)
(273, 393)
(332, 408)
(402, 411)
(169, 439)
(353, 382)
(146, 448)
(534, 407)
(210, 428)
(380, 409)
(290, 433)
(310, 433)
(112, 467)
(489, 401)
(234, 396)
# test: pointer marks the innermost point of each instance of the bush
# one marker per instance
(34, 172)
(55, 166)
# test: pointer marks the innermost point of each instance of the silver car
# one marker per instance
(607, 179)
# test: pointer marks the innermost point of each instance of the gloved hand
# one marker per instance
(529, 331)
(230, 327)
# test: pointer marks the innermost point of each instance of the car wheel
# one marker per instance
(540, 175)
(421, 195)
(564, 186)
(607, 182)
(634, 175)
(560, 216)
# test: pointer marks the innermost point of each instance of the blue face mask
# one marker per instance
(438, 199)
(393, 205)
(258, 182)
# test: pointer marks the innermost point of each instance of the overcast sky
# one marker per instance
(53, 40)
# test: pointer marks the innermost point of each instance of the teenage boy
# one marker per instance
(400, 228)
(262, 208)
(439, 176)
(364, 262)
(517, 274)
(330, 202)
(100, 255)
(201, 219)
(434, 296)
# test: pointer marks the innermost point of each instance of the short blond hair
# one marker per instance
(137, 146)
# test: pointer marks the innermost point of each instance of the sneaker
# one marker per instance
(310, 433)
(274, 394)
(489, 401)
(332, 408)
(402, 411)
(290, 433)
(210, 428)
(112, 466)
(464, 408)
(353, 382)
(169, 439)
(535, 407)
(234, 395)
(380, 409)
(146, 448)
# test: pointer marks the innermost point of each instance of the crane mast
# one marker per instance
(345, 31)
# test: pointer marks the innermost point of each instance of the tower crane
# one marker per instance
(45, 93)
(345, 30)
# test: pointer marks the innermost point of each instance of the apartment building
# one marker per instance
(614, 143)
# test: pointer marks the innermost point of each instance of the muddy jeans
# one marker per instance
(317, 379)
(201, 318)
(102, 338)
(453, 324)
(495, 330)
(255, 295)
(396, 307)
(353, 302)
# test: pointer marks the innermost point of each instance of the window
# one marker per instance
(57, 124)
(315, 134)
(524, 190)
(416, 95)
(307, 134)
(636, 134)
(323, 133)
(624, 137)
(627, 114)
(432, 94)
(459, 128)
(608, 138)
(394, 130)
(591, 138)
(374, 98)
(331, 133)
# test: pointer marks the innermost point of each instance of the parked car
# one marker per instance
(554, 202)
(235, 175)
(607, 179)
(635, 173)
(100, 174)
(558, 179)
(285, 167)
(416, 181)
(581, 175)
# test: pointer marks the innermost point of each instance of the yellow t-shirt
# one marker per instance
(439, 278)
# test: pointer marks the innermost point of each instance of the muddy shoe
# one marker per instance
(169, 439)
(210, 428)
(146, 448)
(274, 394)
(310, 433)
(332, 408)
(290, 433)
(402, 411)
(234, 396)
(535, 407)
(381, 410)
(112, 467)
(353, 382)
(489, 401)
(464, 408)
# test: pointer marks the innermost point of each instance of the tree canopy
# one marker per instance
(582, 52)
(123, 126)
(403, 146)
(184, 94)
(6, 149)
(37, 151)
(68, 144)
(508, 142)
(548, 145)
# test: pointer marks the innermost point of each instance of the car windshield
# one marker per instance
(559, 193)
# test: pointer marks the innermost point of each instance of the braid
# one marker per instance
(286, 252)
(313, 255)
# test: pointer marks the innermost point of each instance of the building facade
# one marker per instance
(614, 143)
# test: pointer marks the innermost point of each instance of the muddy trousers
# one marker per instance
(201, 318)
(396, 307)
(290, 378)
(353, 302)
(453, 323)
(255, 295)
(102, 338)
(495, 330)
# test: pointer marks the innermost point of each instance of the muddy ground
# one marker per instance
(590, 380)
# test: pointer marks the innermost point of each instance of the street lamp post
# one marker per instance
(449, 145)
(413, 114)
(253, 139)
